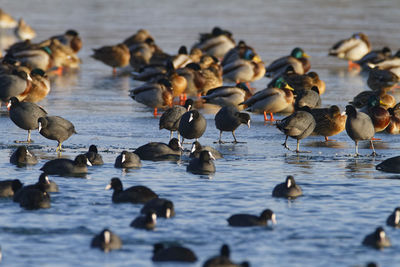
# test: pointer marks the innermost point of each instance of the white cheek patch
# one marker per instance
(191, 117)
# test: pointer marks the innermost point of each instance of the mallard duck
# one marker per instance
(39, 89)
(329, 121)
(14, 84)
(352, 49)
(375, 56)
(271, 100)
(70, 38)
(36, 58)
(379, 115)
(139, 37)
(392, 64)
(217, 43)
(62, 56)
(6, 20)
(23, 31)
(141, 54)
(248, 69)
(381, 79)
(298, 125)
(154, 94)
(394, 125)
(114, 56)
(183, 58)
(242, 50)
(385, 100)
(228, 95)
(298, 59)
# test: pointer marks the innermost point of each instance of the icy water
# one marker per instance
(344, 198)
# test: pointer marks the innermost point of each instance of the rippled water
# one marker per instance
(344, 198)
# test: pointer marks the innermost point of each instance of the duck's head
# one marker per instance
(299, 53)
(282, 84)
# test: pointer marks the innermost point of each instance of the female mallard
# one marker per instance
(298, 59)
(271, 100)
(114, 56)
(6, 20)
(394, 125)
(14, 84)
(329, 121)
(352, 49)
(248, 69)
(381, 79)
(183, 58)
(217, 43)
(228, 95)
(154, 94)
(39, 89)
(70, 38)
(23, 31)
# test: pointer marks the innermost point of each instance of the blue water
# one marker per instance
(344, 198)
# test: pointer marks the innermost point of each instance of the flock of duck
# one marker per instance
(181, 85)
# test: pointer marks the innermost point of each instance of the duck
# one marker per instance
(106, 241)
(223, 259)
(140, 36)
(6, 20)
(381, 79)
(23, 31)
(298, 125)
(192, 125)
(197, 148)
(288, 189)
(93, 156)
(394, 218)
(147, 222)
(394, 124)
(36, 57)
(271, 100)
(127, 160)
(43, 182)
(377, 239)
(25, 115)
(9, 187)
(171, 117)
(351, 49)
(174, 253)
(70, 38)
(329, 121)
(380, 116)
(56, 128)
(310, 98)
(160, 151)
(363, 98)
(62, 56)
(375, 56)
(134, 194)
(246, 220)
(183, 58)
(241, 50)
(217, 43)
(35, 198)
(203, 164)
(359, 126)
(115, 56)
(246, 70)
(67, 167)
(228, 95)
(391, 165)
(161, 206)
(228, 119)
(142, 53)
(39, 89)
(22, 157)
(298, 59)
(13, 84)
(392, 64)
(154, 94)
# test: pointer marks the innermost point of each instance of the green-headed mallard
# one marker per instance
(248, 69)
(298, 59)
(228, 95)
(380, 116)
(375, 56)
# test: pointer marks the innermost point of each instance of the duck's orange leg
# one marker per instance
(353, 65)
(155, 112)
(327, 139)
(114, 71)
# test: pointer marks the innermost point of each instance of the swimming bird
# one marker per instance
(192, 125)
(93, 156)
(127, 160)
(134, 194)
(25, 115)
(288, 189)
(228, 95)
(171, 117)
(161, 206)
(391, 165)
(328, 121)
(223, 259)
(56, 128)
(115, 56)
(298, 59)
(174, 253)
(106, 241)
(35, 198)
(394, 218)
(22, 157)
(10, 187)
(377, 239)
(271, 100)
(43, 182)
(217, 43)
(67, 167)
(160, 151)
(203, 164)
(245, 220)
(147, 221)
(228, 119)
(197, 148)
(23, 31)
(359, 126)
(298, 125)
(352, 49)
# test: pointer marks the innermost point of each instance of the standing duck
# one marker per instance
(23, 31)
(329, 121)
(116, 56)
(392, 64)
(249, 69)
(380, 116)
(171, 117)
(70, 38)
(25, 115)
(228, 95)
(374, 56)
(297, 59)
(56, 128)
(134, 194)
(271, 100)
(299, 125)
(228, 119)
(13, 84)
(381, 79)
(40, 87)
(217, 43)
(359, 126)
